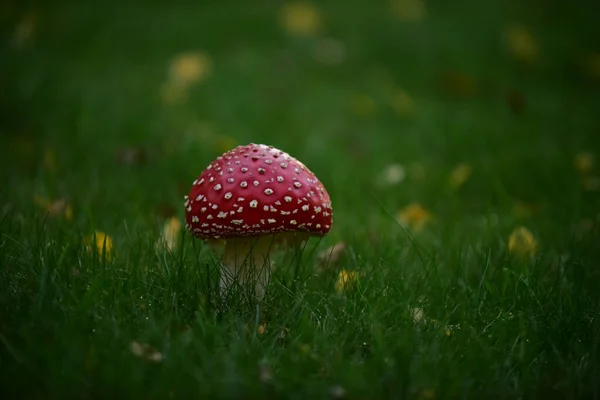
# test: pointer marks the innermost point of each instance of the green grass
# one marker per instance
(87, 84)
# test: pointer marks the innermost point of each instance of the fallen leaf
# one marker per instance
(332, 254)
(131, 156)
(330, 52)
(100, 242)
(345, 280)
(584, 162)
(591, 183)
(145, 351)
(417, 314)
(522, 243)
(402, 103)
(337, 392)
(363, 105)
(25, 29)
(592, 65)
(190, 67)
(516, 101)
(169, 239)
(460, 174)
(409, 10)
(521, 44)
(458, 84)
(414, 216)
(300, 18)
(393, 174)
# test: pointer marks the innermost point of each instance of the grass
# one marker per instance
(446, 311)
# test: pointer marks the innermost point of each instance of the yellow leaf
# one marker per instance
(300, 18)
(460, 174)
(363, 105)
(345, 280)
(102, 243)
(169, 239)
(521, 44)
(414, 216)
(584, 162)
(191, 67)
(409, 10)
(403, 103)
(522, 243)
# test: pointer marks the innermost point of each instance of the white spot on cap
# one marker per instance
(297, 184)
(293, 222)
(261, 171)
(230, 170)
(243, 184)
(199, 197)
(305, 207)
(240, 199)
(211, 179)
(209, 216)
(230, 180)
(253, 204)
(265, 208)
(228, 195)
(268, 192)
(255, 183)
(280, 178)
(189, 208)
(222, 214)
(217, 187)
(244, 169)
(318, 226)
(287, 199)
(195, 218)
(201, 182)
(203, 209)
(214, 206)
(283, 165)
(271, 221)
(237, 221)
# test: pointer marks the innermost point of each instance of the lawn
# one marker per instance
(457, 144)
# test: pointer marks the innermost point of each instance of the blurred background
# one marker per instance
(110, 110)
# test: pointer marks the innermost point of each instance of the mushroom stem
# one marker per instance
(247, 261)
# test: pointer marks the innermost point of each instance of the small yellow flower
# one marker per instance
(521, 242)
(584, 162)
(415, 216)
(363, 105)
(102, 243)
(169, 239)
(460, 174)
(447, 332)
(402, 103)
(409, 10)
(521, 44)
(191, 67)
(300, 18)
(345, 280)
(262, 328)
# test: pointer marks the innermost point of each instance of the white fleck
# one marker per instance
(265, 208)
(203, 209)
(296, 170)
(297, 184)
(230, 170)
(285, 212)
(230, 180)
(273, 209)
(240, 199)
(253, 204)
(305, 207)
(318, 226)
(228, 195)
(262, 221)
(293, 222)
(317, 209)
(214, 206)
(211, 179)
(277, 203)
(268, 161)
(280, 178)
(189, 208)
(217, 187)
(204, 225)
(271, 221)
(261, 171)
(195, 218)
(288, 199)
(222, 214)
(268, 192)
(295, 211)
(283, 165)
(255, 183)
(244, 169)
(209, 216)
(243, 184)
(209, 167)
(240, 209)
(199, 197)
(237, 221)
(201, 182)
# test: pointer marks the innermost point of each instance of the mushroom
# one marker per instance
(252, 200)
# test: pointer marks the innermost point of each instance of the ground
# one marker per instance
(456, 141)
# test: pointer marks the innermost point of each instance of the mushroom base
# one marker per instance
(247, 261)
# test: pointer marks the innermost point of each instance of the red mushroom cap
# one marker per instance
(256, 190)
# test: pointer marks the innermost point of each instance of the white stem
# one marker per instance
(246, 261)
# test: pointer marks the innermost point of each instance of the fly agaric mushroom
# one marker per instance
(253, 199)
